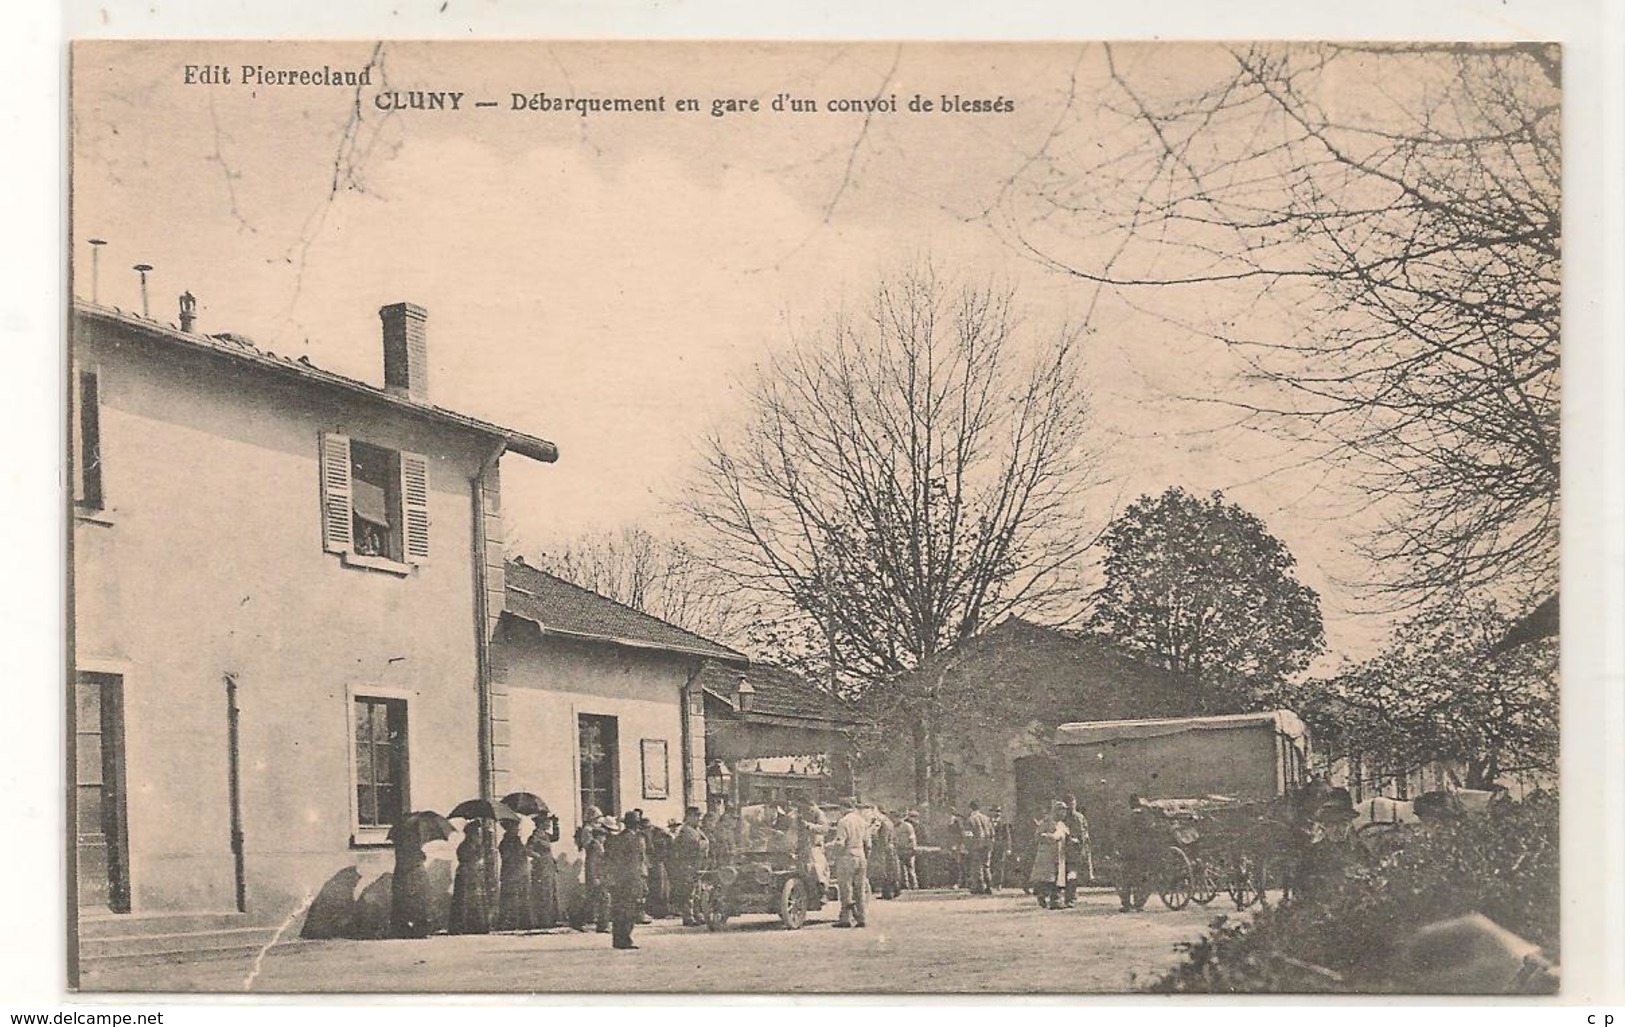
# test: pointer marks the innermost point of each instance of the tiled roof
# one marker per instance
(559, 607)
(241, 348)
(779, 693)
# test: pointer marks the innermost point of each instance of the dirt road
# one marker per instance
(924, 942)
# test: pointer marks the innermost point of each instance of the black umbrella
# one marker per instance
(421, 827)
(526, 803)
(483, 809)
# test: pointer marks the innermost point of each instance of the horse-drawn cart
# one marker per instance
(1215, 844)
(1190, 807)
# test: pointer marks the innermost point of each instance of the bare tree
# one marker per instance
(649, 572)
(1390, 215)
(905, 477)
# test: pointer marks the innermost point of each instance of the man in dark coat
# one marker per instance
(689, 850)
(626, 873)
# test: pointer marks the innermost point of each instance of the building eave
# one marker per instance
(525, 445)
(630, 643)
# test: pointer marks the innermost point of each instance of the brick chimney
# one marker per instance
(406, 350)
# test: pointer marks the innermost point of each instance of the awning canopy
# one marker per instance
(1284, 722)
(754, 740)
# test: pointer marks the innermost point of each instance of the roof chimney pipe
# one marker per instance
(406, 350)
(142, 269)
(96, 269)
(188, 311)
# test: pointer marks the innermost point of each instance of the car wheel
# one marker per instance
(793, 904)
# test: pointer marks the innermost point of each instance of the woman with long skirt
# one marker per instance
(544, 872)
(409, 907)
(516, 904)
(473, 892)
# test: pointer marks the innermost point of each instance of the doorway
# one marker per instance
(598, 743)
(102, 812)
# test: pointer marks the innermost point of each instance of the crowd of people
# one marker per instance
(636, 871)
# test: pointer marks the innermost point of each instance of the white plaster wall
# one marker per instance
(212, 564)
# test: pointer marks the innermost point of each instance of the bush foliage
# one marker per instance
(1344, 934)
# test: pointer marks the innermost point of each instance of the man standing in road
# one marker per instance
(908, 840)
(593, 905)
(852, 863)
(626, 871)
(1004, 847)
(689, 849)
(958, 835)
(979, 850)
(1077, 849)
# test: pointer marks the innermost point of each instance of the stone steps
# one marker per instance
(172, 935)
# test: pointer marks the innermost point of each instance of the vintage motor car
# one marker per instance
(759, 882)
(769, 872)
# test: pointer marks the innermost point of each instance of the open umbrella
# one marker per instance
(421, 828)
(526, 803)
(483, 809)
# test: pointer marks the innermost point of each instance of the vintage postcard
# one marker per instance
(746, 517)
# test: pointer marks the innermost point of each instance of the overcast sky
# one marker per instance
(604, 281)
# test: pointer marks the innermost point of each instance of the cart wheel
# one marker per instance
(1242, 886)
(793, 904)
(1175, 885)
(1205, 884)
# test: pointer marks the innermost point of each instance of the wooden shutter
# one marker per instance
(337, 522)
(415, 506)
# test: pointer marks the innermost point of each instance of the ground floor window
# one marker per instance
(598, 745)
(380, 761)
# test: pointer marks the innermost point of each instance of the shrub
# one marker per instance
(1342, 935)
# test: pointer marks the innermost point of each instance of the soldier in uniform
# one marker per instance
(688, 853)
(660, 903)
(956, 838)
(812, 831)
(1004, 849)
(908, 840)
(851, 844)
(884, 872)
(979, 850)
(594, 904)
(1136, 851)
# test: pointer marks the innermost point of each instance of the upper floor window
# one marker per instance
(375, 501)
(87, 454)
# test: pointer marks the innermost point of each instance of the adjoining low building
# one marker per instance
(771, 736)
(598, 704)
